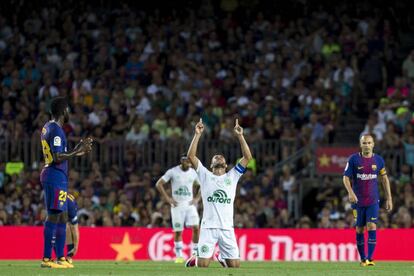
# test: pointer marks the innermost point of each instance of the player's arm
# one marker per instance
(349, 171)
(72, 237)
(160, 187)
(197, 196)
(83, 147)
(387, 188)
(192, 151)
(347, 183)
(247, 155)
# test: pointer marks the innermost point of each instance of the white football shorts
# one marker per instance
(184, 215)
(226, 240)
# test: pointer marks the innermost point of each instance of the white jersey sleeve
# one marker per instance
(236, 172)
(167, 176)
(201, 173)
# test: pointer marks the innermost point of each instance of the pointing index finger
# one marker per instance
(237, 122)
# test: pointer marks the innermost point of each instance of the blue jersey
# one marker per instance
(364, 173)
(72, 209)
(53, 141)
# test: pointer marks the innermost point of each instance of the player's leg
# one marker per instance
(60, 203)
(360, 215)
(61, 240)
(229, 250)
(372, 218)
(70, 244)
(207, 243)
(193, 220)
(51, 226)
(196, 235)
(177, 220)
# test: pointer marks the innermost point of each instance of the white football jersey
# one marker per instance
(218, 193)
(181, 184)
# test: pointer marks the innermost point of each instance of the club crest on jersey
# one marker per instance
(374, 167)
(227, 181)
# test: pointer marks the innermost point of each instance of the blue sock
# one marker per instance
(69, 248)
(60, 239)
(48, 235)
(372, 241)
(360, 240)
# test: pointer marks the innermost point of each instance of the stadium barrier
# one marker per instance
(114, 152)
(120, 243)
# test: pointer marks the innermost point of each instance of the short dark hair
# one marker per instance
(58, 106)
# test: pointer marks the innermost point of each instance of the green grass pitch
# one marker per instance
(89, 268)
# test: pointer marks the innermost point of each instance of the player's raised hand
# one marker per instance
(199, 128)
(237, 128)
(388, 205)
(84, 146)
(353, 198)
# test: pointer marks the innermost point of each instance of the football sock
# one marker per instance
(48, 235)
(178, 248)
(60, 239)
(372, 241)
(195, 248)
(360, 240)
(69, 248)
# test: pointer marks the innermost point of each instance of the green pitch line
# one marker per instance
(101, 268)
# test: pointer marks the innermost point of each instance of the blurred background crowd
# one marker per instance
(292, 72)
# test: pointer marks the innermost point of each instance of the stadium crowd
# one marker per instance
(143, 75)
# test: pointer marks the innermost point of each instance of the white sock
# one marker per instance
(178, 249)
(195, 248)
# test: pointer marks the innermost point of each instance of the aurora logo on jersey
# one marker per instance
(219, 196)
(182, 191)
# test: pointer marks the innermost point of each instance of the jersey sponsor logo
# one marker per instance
(182, 191)
(366, 176)
(57, 141)
(219, 196)
(374, 167)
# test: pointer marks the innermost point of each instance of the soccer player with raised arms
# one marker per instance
(183, 203)
(54, 179)
(361, 181)
(218, 190)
